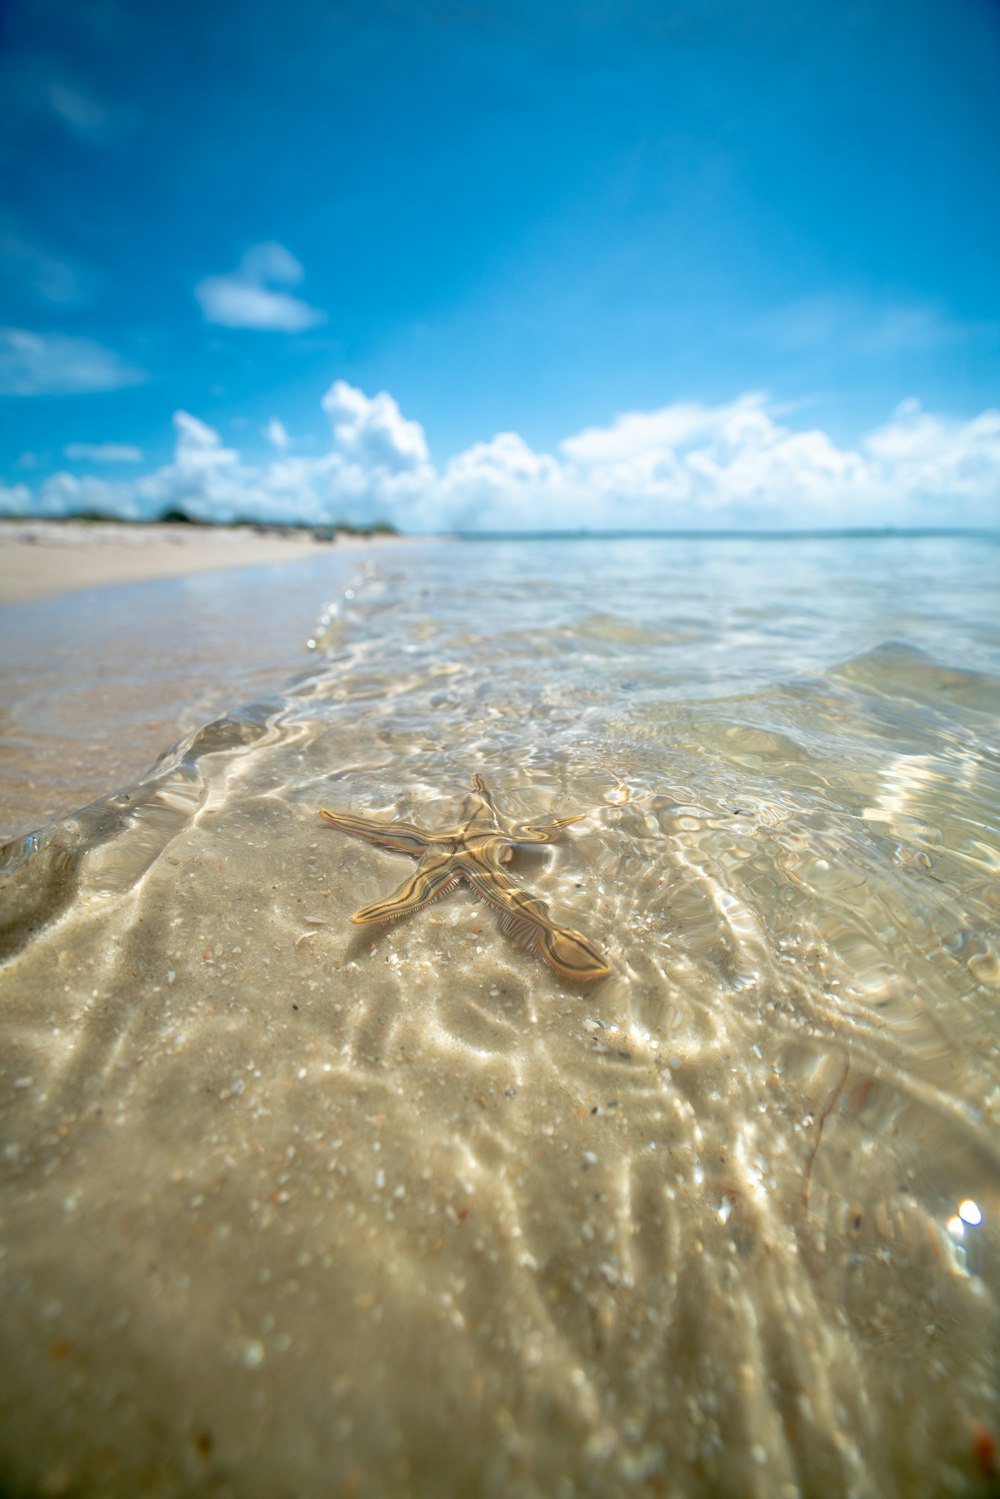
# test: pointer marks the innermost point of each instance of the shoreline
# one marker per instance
(43, 558)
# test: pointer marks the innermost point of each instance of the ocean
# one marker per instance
(293, 1205)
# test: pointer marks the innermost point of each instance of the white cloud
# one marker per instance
(277, 434)
(933, 458)
(271, 262)
(247, 299)
(505, 484)
(19, 499)
(639, 433)
(237, 304)
(372, 431)
(70, 494)
(103, 452)
(685, 466)
(195, 436)
(49, 364)
(202, 467)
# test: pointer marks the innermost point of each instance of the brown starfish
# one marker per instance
(476, 851)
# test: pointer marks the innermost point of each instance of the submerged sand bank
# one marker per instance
(39, 558)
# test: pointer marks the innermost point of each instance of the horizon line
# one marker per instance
(736, 533)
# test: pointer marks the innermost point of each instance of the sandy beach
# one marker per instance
(39, 558)
(116, 640)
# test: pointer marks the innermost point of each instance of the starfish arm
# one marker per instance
(480, 787)
(526, 832)
(403, 837)
(428, 881)
(479, 813)
(543, 832)
(526, 918)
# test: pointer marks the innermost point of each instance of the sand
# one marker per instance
(98, 678)
(43, 557)
(293, 1206)
(117, 640)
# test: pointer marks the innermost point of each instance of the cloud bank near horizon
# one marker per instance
(684, 466)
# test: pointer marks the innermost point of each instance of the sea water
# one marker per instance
(293, 1206)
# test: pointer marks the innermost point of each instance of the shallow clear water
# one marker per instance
(97, 683)
(297, 1206)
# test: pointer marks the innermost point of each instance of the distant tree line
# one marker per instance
(178, 517)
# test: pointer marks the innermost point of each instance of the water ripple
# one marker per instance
(435, 1220)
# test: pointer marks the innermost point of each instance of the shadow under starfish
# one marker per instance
(476, 851)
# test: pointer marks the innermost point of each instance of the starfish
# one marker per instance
(476, 851)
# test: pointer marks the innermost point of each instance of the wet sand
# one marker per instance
(117, 640)
(39, 558)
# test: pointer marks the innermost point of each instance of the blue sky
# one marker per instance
(721, 262)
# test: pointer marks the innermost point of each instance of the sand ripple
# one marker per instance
(295, 1207)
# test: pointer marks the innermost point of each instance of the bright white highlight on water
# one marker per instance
(970, 1213)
